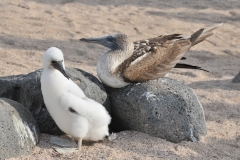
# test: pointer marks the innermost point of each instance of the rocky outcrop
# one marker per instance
(163, 108)
(19, 130)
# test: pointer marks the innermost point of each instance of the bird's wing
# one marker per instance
(86, 107)
(74, 104)
(154, 58)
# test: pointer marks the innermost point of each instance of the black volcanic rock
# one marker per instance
(19, 130)
(163, 108)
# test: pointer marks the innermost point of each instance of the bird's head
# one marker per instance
(115, 41)
(53, 59)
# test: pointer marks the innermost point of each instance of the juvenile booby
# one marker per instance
(74, 113)
(129, 62)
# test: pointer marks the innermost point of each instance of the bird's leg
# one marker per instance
(79, 144)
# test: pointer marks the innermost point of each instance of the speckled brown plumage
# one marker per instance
(161, 55)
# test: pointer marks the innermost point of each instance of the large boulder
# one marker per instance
(236, 79)
(163, 108)
(19, 130)
(26, 89)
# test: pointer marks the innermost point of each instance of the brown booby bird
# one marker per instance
(130, 62)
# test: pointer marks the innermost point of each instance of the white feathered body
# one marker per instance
(91, 120)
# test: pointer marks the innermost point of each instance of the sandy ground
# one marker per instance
(28, 28)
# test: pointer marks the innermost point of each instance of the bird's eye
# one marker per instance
(56, 61)
(111, 39)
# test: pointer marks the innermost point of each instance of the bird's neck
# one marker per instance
(52, 78)
(118, 56)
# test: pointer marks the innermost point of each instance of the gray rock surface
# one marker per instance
(236, 79)
(26, 89)
(19, 130)
(163, 108)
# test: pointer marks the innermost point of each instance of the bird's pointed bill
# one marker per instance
(107, 41)
(93, 40)
(59, 66)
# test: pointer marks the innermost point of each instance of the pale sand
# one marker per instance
(28, 28)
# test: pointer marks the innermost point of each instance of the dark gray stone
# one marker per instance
(236, 79)
(163, 108)
(26, 89)
(19, 130)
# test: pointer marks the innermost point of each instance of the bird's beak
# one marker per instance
(107, 41)
(59, 66)
(98, 40)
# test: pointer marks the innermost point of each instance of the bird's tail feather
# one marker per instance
(188, 66)
(206, 33)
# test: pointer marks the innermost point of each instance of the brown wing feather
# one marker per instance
(154, 58)
(151, 59)
(160, 52)
(174, 55)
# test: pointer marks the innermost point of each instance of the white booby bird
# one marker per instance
(74, 113)
(129, 62)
